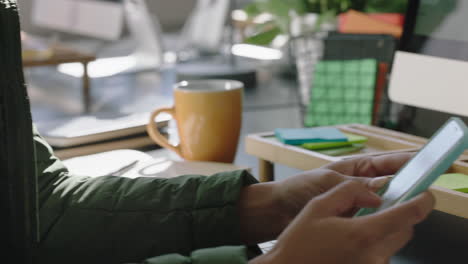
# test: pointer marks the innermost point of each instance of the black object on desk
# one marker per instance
(18, 181)
(309, 50)
(441, 238)
(218, 67)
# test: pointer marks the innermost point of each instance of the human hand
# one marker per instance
(293, 193)
(267, 208)
(319, 234)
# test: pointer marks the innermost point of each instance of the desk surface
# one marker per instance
(57, 55)
(274, 102)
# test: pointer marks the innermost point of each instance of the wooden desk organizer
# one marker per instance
(380, 141)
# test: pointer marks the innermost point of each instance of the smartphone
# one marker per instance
(418, 174)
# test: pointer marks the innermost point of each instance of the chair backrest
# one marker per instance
(18, 181)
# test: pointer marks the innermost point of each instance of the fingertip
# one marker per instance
(374, 199)
(368, 199)
(429, 199)
(378, 183)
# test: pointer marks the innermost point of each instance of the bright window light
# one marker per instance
(256, 52)
(99, 68)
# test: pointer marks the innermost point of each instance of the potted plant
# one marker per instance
(284, 11)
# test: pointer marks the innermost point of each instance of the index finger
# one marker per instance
(371, 166)
(401, 216)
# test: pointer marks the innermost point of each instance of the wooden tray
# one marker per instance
(380, 141)
(452, 202)
(267, 147)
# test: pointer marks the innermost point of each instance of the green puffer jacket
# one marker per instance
(189, 219)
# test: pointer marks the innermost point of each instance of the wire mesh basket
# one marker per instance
(342, 77)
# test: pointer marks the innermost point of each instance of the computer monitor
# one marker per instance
(146, 34)
(431, 69)
(80, 17)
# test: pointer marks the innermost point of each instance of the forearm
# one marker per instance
(261, 217)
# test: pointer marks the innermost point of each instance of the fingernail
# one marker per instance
(379, 182)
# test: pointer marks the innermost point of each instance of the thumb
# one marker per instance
(343, 198)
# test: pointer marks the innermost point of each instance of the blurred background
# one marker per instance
(96, 68)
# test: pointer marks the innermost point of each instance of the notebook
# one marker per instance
(87, 129)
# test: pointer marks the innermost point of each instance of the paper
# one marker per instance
(133, 164)
(104, 163)
(453, 181)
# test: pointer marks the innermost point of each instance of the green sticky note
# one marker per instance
(352, 139)
(342, 150)
(453, 181)
(342, 91)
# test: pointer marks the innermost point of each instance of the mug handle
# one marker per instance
(156, 135)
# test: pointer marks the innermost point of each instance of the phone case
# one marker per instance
(441, 168)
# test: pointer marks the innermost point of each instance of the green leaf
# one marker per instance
(264, 38)
(385, 6)
(281, 8)
(252, 9)
(324, 18)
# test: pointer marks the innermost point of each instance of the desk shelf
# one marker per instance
(381, 141)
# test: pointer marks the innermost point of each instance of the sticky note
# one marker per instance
(342, 150)
(453, 181)
(352, 139)
(342, 92)
(298, 136)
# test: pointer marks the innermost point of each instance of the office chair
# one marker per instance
(18, 204)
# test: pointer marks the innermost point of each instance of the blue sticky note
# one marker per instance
(298, 136)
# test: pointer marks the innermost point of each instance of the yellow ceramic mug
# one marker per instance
(208, 114)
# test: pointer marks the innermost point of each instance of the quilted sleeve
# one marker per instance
(225, 255)
(117, 220)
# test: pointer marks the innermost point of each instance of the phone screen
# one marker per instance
(430, 156)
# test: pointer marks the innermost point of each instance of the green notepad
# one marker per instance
(352, 139)
(342, 150)
(453, 181)
(342, 92)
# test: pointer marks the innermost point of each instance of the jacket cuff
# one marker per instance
(226, 255)
(216, 217)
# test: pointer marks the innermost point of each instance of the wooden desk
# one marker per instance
(159, 163)
(59, 55)
(381, 141)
